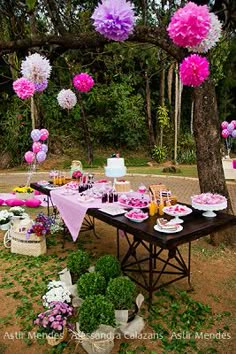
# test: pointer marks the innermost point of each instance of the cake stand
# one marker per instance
(209, 208)
(170, 211)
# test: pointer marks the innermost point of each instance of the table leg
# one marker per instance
(189, 267)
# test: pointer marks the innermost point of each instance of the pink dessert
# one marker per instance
(133, 202)
(136, 214)
(72, 185)
(208, 199)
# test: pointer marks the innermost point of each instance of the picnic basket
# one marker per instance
(34, 246)
(156, 190)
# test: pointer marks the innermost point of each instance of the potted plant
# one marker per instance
(91, 284)
(5, 219)
(121, 292)
(53, 322)
(78, 263)
(17, 211)
(57, 291)
(96, 325)
(108, 266)
(23, 192)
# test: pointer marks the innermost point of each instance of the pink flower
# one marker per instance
(23, 88)
(83, 82)
(189, 25)
(194, 70)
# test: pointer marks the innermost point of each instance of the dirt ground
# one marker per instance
(213, 277)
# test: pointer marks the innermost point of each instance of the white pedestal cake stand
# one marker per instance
(209, 208)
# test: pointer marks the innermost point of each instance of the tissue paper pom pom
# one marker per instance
(83, 82)
(189, 25)
(194, 70)
(41, 86)
(23, 88)
(36, 68)
(212, 37)
(66, 99)
(114, 19)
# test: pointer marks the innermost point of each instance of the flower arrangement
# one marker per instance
(17, 211)
(23, 189)
(194, 70)
(5, 217)
(41, 226)
(77, 174)
(114, 19)
(54, 320)
(56, 292)
(83, 82)
(189, 25)
(66, 99)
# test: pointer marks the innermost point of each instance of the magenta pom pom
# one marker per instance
(194, 70)
(83, 82)
(23, 88)
(189, 25)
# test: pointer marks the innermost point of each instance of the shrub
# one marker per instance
(78, 262)
(187, 157)
(159, 153)
(121, 292)
(108, 266)
(95, 310)
(91, 284)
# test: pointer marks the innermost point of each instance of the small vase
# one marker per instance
(5, 226)
(55, 340)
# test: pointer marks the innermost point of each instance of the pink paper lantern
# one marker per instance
(224, 125)
(36, 147)
(44, 134)
(29, 157)
(225, 133)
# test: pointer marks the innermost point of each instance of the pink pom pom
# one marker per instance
(194, 70)
(189, 25)
(23, 88)
(83, 82)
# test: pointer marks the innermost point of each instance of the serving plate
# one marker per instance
(136, 220)
(168, 231)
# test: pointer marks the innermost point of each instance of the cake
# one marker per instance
(115, 167)
(122, 186)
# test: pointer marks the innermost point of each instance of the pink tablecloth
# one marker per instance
(71, 210)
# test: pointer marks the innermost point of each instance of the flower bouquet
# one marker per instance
(41, 226)
(53, 322)
(77, 175)
(17, 211)
(56, 292)
(5, 219)
(23, 192)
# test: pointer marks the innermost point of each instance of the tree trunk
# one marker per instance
(149, 115)
(209, 160)
(176, 113)
(162, 100)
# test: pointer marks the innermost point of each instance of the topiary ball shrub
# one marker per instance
(108, 266)
(78, 262)
(121, 292)
(91, 284)
(94, 311)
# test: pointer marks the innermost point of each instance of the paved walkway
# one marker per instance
(182, 187)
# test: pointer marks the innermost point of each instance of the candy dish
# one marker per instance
(131, 202)
(177, 211)
(136, 215)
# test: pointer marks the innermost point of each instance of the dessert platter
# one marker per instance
(136, 215)
(73, 185)
(209, 202)
(167, 227)
(132, 202)
(177, 211)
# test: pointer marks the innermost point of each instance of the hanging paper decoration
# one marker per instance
(189, 25)
(194, 70)
(114, 19)
(212, 37)
(23, 88)
(66, 99)
(83, 82)
(41, 86)
(36, 68)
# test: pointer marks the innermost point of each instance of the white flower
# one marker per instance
(57, 292)
(212, 37)
(36, 68)
(5, 216)
(66, 98)
(17, 211)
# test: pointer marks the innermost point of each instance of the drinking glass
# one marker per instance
(142, 189)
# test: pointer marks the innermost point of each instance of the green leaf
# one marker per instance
(31, 4)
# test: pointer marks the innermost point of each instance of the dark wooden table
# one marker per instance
(149, 254)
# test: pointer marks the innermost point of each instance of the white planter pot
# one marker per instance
(24, 196)
(5, 226)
